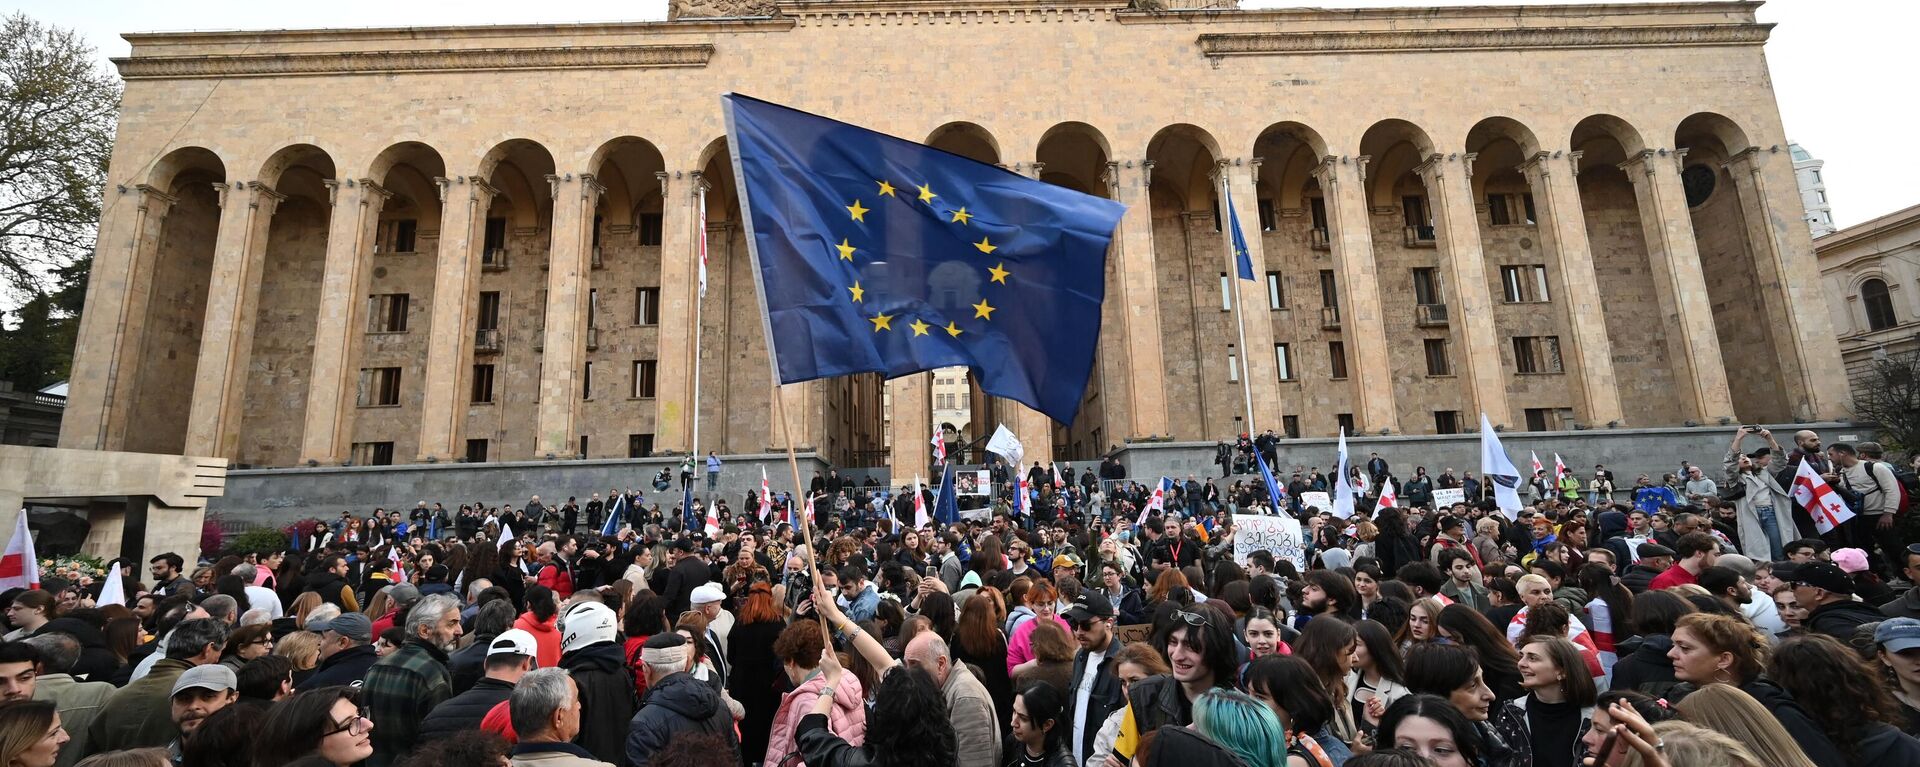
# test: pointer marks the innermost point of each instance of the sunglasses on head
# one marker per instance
(1191, 619)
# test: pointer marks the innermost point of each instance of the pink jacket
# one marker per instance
(847, 719)
(1020, 648)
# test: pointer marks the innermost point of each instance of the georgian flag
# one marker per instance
(939, 444)
(398, 568)
(1058, 481)
(1577, 633)
(919, 503)
(1537, 468)
(766, 498)
(713, 521)
(1812, 492)
(1387, 496)
(1156, 503)
(20, 567)
(1559, 468)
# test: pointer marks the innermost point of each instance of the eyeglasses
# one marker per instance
(358, 725)
(1191, 619)
(1913, 548)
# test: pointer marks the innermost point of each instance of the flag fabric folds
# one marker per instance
(1537, 467)
(1812, 492)
(616, 512)
(1275, 492)
(877, 254)
(1004, 444)
(946, 506)
(20, 567)
(766, 498)
(919, 503)
(1342, 484)
(506, 534)
(1498, 470)
(1387, 496)
(1242, 261)
(1156, 503)
(939, 444)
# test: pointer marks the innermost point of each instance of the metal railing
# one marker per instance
(486, 341)
(1317, 239)
(1430, 315)
(493, 259)
(1329, 318)
(1420, 236)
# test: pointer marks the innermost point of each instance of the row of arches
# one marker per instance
(631, 172)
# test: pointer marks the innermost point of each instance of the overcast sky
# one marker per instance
(1842, 70)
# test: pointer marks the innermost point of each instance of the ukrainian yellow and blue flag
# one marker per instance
(878, 254)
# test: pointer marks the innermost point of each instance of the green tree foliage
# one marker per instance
(57, 110)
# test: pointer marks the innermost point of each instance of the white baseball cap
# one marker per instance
(513, 642)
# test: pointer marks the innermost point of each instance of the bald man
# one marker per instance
(976, 728)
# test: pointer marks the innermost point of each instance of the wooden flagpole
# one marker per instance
(806, 516)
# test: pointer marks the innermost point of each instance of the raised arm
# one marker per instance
(863, 642)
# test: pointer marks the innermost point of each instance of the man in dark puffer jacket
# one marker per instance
(509, 657)
(589, 639)
(676, 702)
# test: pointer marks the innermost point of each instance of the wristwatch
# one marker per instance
(827, 692)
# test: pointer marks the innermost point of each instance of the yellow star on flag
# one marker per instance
(857, 291)
(886, 189)
(999, 273)
(858, 212)
(952, 329)
(846, 250)
(984, 246)
(981, 311)
(961, 216)
(881, 322)
(926, 193)
(919, 327)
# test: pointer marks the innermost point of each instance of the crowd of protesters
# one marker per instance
(1696, 621)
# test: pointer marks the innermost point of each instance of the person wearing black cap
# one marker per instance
(1762, 507)
(1095, 691)
(1827, 591)
(1654, 560)
(689, 572)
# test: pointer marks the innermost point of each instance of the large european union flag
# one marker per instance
(877, 254)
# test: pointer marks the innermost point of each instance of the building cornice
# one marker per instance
(1218, 45)
(451, 34)
(1871, 228)
(1519, 15)
(948, 11)
(404, 61)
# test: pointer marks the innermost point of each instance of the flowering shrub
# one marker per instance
(78, 569)
(211, 536)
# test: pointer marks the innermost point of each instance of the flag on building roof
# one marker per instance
(878, 254)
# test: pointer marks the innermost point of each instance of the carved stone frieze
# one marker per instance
(387, 62)
(1272, 43)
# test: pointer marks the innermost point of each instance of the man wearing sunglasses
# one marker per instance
(1096, 689)
(1199, 647)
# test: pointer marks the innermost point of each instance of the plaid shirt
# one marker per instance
(398, 693)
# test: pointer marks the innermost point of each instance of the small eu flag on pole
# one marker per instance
(1243, 261)
(877, 254)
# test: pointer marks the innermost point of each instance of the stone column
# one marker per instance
(1136, 288)
(912, 425)
(226, 337)
(566, 323)
(1789, 283)
(679, 289)
(1563, 234)
(1342, 181)
(456, 277)
(1256, 361)
(337, 332)
(1692, 343)
(107, 350)
(1448, 179)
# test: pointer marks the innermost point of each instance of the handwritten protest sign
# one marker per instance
(1445, 497)
(1279, 535)
(1316, 500)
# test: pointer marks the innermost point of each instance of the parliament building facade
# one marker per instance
(367, 246)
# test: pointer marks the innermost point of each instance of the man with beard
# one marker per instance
(1327, 593)
(410, 681)
(197, 694)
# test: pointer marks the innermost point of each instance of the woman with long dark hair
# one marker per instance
(1560, 695)
(509, 574)
(1431, 727)
(1608, 611)
(1378, 677)
(326, 722)
(1452, 672)
(978, 640)
(1466, 626)
(1847, 699)
(908, 725)
(1293, 690)
(1327, 647)
(1040, 731)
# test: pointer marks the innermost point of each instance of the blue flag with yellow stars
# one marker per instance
(1240, 257)
(877, 254)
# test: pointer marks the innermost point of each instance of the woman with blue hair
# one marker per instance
(1242, 725)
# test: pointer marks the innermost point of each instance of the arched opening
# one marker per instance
(1410, 275)
(965, 413)
(1074, 155)
(1729, 259)
(517, 237)
(1635, 296)
(1193, 280)
(403, 262)
(280, 363)
(1875, 298)
(624, 299)
(1529, 285)
(1299, 281)
(170, 284)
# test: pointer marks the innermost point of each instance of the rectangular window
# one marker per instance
(1317, 210)
(1345, 422)
(1437, 362)
(639, 445)
(1498, 212)
(1426, 286)
(583, 446)
(1446, 422)
(593, 306)
(476, 451)
(644, 378)
(1226, 292)
(1290, 426)
(1233, 367)
(596, 231)
(1526, 204)
(1537, 418)
(1337, 359)
(1524, 283)
(397, 236)
(379, 387)
(482, 384)
(1537, 354)
(1413, 210)
(373, 453)
(1276, 292)
(387, 313)
(1283, 361)
(1329, 294)
(489, 315)
(646, 306)
(496, 234)
(651, 225)
(586, 381)
(1267, 219)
